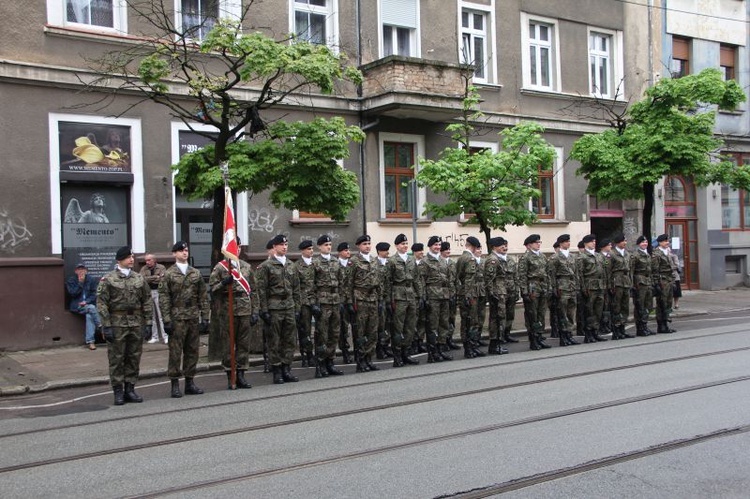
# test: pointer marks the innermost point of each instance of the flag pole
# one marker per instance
(230, 291)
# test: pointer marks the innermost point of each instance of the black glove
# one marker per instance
(422, 303)
(380, 307)
(316, 311)
(452, 301)
(147, 331)
(109, 334)
(266, 316)
(494, 300)
(254, 319)
(350, 308)
(656, 289)
(297, 317)
(227, 280)
(202, 327)
(168, 328)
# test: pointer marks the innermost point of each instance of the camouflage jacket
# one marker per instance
(153, 278)
(509, 267)
(469, 277)
(620, 270)
(383, 276)
(364, 279)
(329, 277)
(607, 262)
(403, 282)
(306, 276)
(494, 277)
(242, 304)
(562, 273)
(278, 286)
(436, 278)
(183, 297)
(123, 301)
(532, 274)
(591, 271)
(640, 268)
(662, 267)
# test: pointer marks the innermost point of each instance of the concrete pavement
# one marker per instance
(45, 369)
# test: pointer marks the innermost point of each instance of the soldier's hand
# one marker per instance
(147, 331)
(452, 301)
(266, 316)
(380, 307)
(109, 334)
(297, 317)
(227, 280)
(254, 319)
(351, 309)
(202, 327)
(422, 303)
(316, 311)
(656, 289)
(168, 328)
(525, 297)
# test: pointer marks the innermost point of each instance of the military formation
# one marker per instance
(392, 306)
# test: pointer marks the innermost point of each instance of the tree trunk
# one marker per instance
(648, 211)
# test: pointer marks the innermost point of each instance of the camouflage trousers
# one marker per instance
(124, 354)
(642, 303)
(304, 329)
(327, 331)
(281, 337)
(241, 342)
(384, 326)
(184, 346)
(510, 311)
(534, 309)
(367, 327)
(469, 309)
(497, 317)
(567, 304)
(437, 321)
(404, 323)
(593, 308)
(664, 300)
(620, 306)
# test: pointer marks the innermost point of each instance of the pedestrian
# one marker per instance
(279, 301)
(364, 297)
(81, 289)
(405, 297)
(385, 318)
(593, 284)
(123, 300)
(677, 276)
(640, 270)
(328, 281)
(438, 290)
(153, 272)
(620, 283)
(183, 298)
(534, 285)
(662, 268)
(308, 302)
(494, 280)
(564, 286)
(468, 282)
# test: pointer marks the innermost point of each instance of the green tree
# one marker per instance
(494, 187)
(669, 132)
(228, 80)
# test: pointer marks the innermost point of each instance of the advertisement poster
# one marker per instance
(92, 147)
(95, 225)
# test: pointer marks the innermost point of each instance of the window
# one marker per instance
(473, 49)
(539, 54)
(735, 204)
(727, 58)
(544, 205)
(600, 64)
(399, 27)
(195, 18)
(315, 21)
(96, 15)
(680, 57)
(399, 172)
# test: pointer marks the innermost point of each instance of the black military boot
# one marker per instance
(468, 350)
(360, 361)
(452, 344)
(387, 351)
(421, 348)
(397, 357)
(597, 336)
(319, 370)
(175, 393)
(408, 361)
(130, 395)
(241, 381)
(119, 395)
(278, 379)
(493, 348)
(569, 338)
(331, 369)
(345, 357)
(286, 374)
(588, 338)
(540, 341)
(433, 355)
(507, 337)
(192, 389)
(379, 353)
(563, 339)
(303, 359)
(533, 342)
(370, 365)
(623, 334)
(442, 351)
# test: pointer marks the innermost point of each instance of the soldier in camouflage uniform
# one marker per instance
(405, 297)
(563, 279)
(468, 283)
(580, 301)
(245, 311)
(552, 305)
(662, 273)
(385, 318)
(640, 270)
(593, 286)
(363, 298)
(308, 301)
(605, 250)
(123, 300)
(420, 332)
(438, 290)
(494, 281)
(344, 254)
(329, 279)
(183, 300)
(445, 253)
(509, 268)
(279, 302)
(534, 286)
(621, 283)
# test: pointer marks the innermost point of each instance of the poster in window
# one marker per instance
(94, 147)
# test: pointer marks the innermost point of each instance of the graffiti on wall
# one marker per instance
(14, 234)
(261, 219)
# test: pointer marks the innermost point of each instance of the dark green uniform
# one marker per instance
(534, 286)
(438, 290)
(593, 286)
(640, 269)
(663, 268)
(403, 288)
(509, 268)
(605, 324)
(494, 281)
(306, 277)
(365, 293)
(564, 285)
(279, 296)
(385, 318)
(344, 316)
(468, 281)
(621, 283)
(329, 277)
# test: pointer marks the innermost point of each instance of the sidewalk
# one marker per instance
(38, 370)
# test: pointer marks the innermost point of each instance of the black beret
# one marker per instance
(400, 239)
(342, 247)
(563, 238)
(179, 246)
(325, 238)
(269, 244)
(434, 239)
(81, 265)
(362, 239)
(497, 241)
(279, 239)
(445, 245)
(641, 239)
(533, 238)
(662, 237)
(604, 242)
(123, 253)
(417, 247)
(473, 241)
(305, 244)
(588, 238)
(580, 244)
(618, 238)
(556, 244)
(382, 247)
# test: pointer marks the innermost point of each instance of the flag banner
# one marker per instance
(238, 277)
(229, 246)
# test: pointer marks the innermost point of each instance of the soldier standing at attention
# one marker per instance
(405, 297)
(438, 289)
(621, 282)
(364, 293)
(494, 279)
(308, 301)
(662, 269)
(183, 298)
(534, 285)
(563, 278)
(509, 268)
(344, 254)
(640, 269)
(123, 300)
(552, 305)
(239, 275)
(593, 286)
(279, 300)
(329, 278)
(467, 284)
(417, 250)
(605, 250)
(445, 253)
(385, 318)
(580, 299)
(153, 272)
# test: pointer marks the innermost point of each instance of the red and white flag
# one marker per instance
(229, 246)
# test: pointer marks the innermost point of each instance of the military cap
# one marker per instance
(662, 237)
(362, 239)
(179, 246)
(563, 238)
(325, 238)
(342, 246)
(618, 238)
(305, 244)
(382, 247)
(588, 238)
(641, 239)
(279, 239)
(556, 244)
(269, 244)
(400, 239)
(445, 245)
(123, 253)
(533, 238)
(434, 239)
(417, 247)
(81, 265)
(604, 243)
(580, 244)
(473, 241)
(498, 241)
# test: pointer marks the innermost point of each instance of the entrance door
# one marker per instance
(684, 244)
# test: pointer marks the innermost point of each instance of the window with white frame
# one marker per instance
(539, 39)
(399, 27)
(97, 15)
(549, 182)
(474, 43)
(399, 155)
(315, 21)
(195, 18)
(605, 63)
